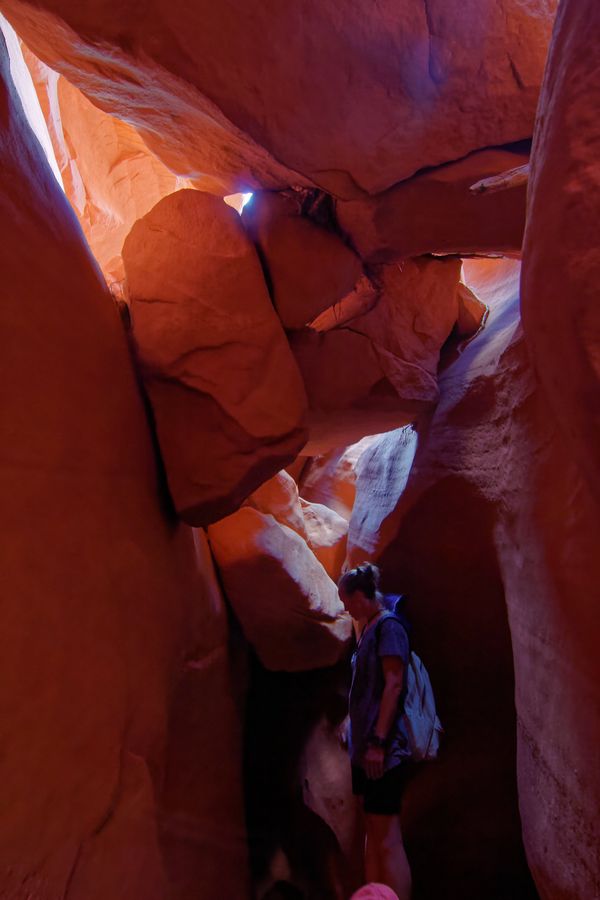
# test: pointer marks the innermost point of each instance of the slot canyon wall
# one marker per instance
(390, 353)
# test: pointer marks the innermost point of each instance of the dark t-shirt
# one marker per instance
(386, 637)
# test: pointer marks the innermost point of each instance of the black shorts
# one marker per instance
(382, 796)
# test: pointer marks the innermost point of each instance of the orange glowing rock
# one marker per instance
(279, 497)
(109, 175)
(308, 267)
(437, 212)
(226, 394)
(286, 603)
(104, 597)
(343, 101)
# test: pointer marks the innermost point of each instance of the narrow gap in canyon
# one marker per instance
(289, 292)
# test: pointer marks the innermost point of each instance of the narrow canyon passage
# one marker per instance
(287, 288)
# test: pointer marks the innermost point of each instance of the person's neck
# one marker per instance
(377, 609)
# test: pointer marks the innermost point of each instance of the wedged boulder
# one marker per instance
(415, 315)
(330, 479)
(375, 372)
(279, 498)
(110, 176)
(225, 391)
(287, 605)
(326, 531)
(104, 595)
(348, 102)
(437, 212)
(308, 268)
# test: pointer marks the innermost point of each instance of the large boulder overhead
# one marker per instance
(438, 212)
(308, 267)
(312, 92)
(227, 396)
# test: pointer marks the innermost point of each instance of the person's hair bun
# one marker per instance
(363, 578)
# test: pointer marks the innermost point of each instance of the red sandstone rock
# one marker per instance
(279, 498)
(376, 371)
(437, 212)
(330, 479)
(496, 510)
(104, 597)
(410, 323)
(471, 312)
(225, 391)
(287, 605)
(557, 688)
(351, 102)
(326, 532)
(109, 175)
(308, 268)
(432, 527)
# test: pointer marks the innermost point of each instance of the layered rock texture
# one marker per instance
(155, 704)
(225, 391)
(112, 632)
(349, 103)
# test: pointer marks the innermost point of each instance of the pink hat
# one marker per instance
(375, 892)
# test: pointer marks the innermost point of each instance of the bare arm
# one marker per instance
(393, 672)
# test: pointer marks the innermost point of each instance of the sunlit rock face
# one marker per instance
(288, 606)
(109, 175)
(410, 86)
(107, 601)
(559, 715)
(437, 212)
(225, 391)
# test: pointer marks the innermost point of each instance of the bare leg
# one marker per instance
(385, 857)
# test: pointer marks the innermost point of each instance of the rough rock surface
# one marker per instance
(103, 596)
(425, 511)
(496, 512)
(375, 372)
(349, 101)
(287, 605)
(109, 175)
(279, 498)
(330, 479)
(556, 628)
(307, 268)
(436, 212)
(415, 315)
(225, 392)
(327, 532)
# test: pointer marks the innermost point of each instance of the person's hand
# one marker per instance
(343, 732)
(373, 762)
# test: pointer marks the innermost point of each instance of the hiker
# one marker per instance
(377, 739)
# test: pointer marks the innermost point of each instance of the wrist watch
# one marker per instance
(376, 741)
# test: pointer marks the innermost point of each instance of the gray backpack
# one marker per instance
(420, 719)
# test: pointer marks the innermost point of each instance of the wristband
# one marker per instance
(376, 741)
